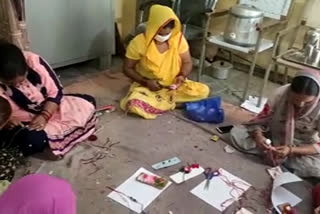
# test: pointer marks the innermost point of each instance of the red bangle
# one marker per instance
(45, 111)
(46, 115)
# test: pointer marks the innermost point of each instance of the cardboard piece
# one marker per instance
(166, 163)
(280, 195)
(218, 194)
(244, 211)
(143, 193)
(181, 177)
(275, 171)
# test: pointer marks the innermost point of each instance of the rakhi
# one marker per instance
(187, 169)
(128, 197)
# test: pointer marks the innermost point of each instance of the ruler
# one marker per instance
(166, 163)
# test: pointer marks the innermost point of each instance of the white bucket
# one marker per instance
(221, 69)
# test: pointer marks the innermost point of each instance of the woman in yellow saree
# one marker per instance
(158, 61)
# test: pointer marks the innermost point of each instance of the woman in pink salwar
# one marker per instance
(42, 116)
(38, 194)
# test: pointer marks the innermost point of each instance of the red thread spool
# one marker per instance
(287, 209)
(93, 137)
(195, 166)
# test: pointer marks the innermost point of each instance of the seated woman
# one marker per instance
(158, 62)
(291, 121)
(42, 116)
(38, 194)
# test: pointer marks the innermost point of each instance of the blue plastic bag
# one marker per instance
(208, 110)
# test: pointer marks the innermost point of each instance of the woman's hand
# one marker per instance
(282, 151)
(261, 143)
(260, 140)
(38, 123)
(153, 85)
(179, 81)
(14, 122)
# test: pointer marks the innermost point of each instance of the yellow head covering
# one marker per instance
(159, 17)
(163, 67)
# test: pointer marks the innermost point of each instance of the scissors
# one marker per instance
(209, 174)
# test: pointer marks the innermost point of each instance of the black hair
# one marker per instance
(12, 61)
(305, 85)
(170, 25)
(5, 111)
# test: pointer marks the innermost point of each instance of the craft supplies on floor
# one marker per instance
(141, 193)
(152, 180)
(229, 149)
(275, 171)
(223, 191)
(251, 104)
(181, 177)
(106, 108)
(166, 163)
(287, 209)
(280, 195)
(214, 138)
(244, 211)
(93, 138)
(209, 173)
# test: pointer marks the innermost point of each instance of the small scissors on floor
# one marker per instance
(209, 174)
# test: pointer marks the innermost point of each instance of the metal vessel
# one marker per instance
(221, 69)
(315, 57)
(243, 24)
(312, 37)
(308, 50)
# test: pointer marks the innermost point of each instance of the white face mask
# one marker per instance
(161, 38)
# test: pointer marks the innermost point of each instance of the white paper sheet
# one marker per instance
(251, 104)
(244, 211)
(180, 177)
(280, 195)
(145, 194)
(275, 171)
(219, 192)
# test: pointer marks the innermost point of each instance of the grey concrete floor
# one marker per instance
(235, 83)
(143, 143)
